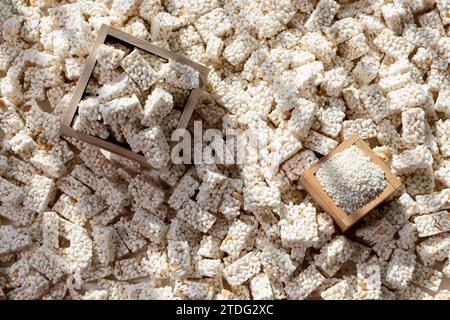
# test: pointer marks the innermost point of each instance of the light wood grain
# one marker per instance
(342, 219)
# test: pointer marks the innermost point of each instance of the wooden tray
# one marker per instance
(344, 220)
(115, 147)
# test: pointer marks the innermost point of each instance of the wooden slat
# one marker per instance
(341, 147)
(103, 144)
(84, 77)
(189, 108)
(324, 202)
(150, 47)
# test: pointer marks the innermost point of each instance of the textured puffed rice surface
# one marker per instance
(300, 75)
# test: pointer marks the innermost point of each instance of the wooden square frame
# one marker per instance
(312, 185)
(110, 32)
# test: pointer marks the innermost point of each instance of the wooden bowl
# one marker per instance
(344, 220)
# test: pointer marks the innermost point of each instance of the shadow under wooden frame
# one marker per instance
(105, 32)
(344, 220)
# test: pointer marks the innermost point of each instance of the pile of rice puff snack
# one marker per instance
(301, 76)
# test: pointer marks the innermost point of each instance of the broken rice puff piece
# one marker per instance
(32, 286)
(195, 290)
(215, 22)
(299, 228)
(433, 202)
(22, 144)
(49, 164)
(180, 75)
(322, 15)
(369, 280)
(65, 207)
(340, 291)
(443, 136)
(132, 268)
(109, 57)
(93, 128)
(146, 292)
(122, 86)
(237, 238)
(211, 190)
(320, 143)
(365, 128)
(73, 187)
(211, 268)
(443, 102)
(354, 48)
(427, 277)
(180, 230)
(179, 259)
(344, 29)
(366, 69)
(13, 239)
(209, 247)
(183, 191)
(40, 193)
(319, 46)
(302, 118)
(145, 193)
(120, 110)
(158, 105)
(149, 226)
(282, 146)
(297, 164)
(18, 214)
(401, 268)
(232, 199)
(48, 263)
(375, 102)
(392, 45)
(79, 253)
(154, 147)
(261, 287)
(104, 243)
(139, 70)
(277, 263)
(376, 231)
(50, 230)
(242, 269)
(10, 193)
(198, 217)
(261, 197)
(89, 108)
(240, 49)
(413, 125)
(410, 160)
(431, 224)
(333, 255)
(334, 81)
(214, 48)
(434, 249)
(306, 282)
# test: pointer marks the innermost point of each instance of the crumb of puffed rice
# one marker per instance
(351, 179)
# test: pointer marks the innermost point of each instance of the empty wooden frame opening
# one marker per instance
(108, 34)
(314, 188)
